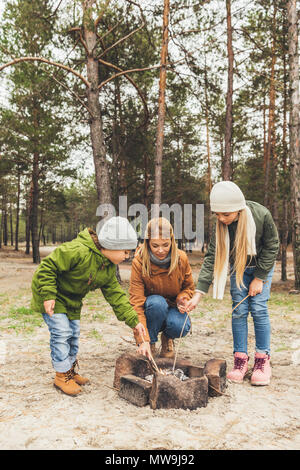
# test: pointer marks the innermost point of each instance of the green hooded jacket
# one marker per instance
(70, 272)
(267, 245)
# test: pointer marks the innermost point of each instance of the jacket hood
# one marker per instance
(89, 238)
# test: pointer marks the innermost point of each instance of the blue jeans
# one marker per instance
(258, 307)
(161, 317)
(64, 340)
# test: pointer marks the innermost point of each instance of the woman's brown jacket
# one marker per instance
(178, 285)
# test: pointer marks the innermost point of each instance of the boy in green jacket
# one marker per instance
(65, 277)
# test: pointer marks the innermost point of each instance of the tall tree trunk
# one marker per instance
(161, 105)
(271, 122)
(11, 225)
(227, 166)
(18, 211)
(34, 210)
(96, 126)
(121, 135)
(5, 234)
(285, 205)
(294, 133)
(1, 222)
(209, 182)
(146, 179)
(28, 218)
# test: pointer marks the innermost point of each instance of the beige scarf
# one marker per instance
(219, 282)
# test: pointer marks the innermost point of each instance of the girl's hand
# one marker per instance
(145, 350)
(191, 304)
(256, 287)
(49, 307)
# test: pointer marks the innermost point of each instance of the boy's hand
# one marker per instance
(140, 330)
(144, 349)
(49, 307)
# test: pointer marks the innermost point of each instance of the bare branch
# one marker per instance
(55, 11)
(124, 72)
(150, 39)
(109, 31)
(84, 44)
(137, 70)
(97, 21)
(46, 61)
(108, 64)
(121, 40)
(73, 93)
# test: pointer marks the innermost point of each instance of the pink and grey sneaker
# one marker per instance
(240, 368)
(262, 372)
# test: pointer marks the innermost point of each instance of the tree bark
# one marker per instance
(161, 105)
(227, 166)
(18, 211)
(28, 218)
(11, 225)
(5, 234)
(209, 182)
(294, 133)
(34, 210)
(271, 122)
(96, 126)
(285, 204)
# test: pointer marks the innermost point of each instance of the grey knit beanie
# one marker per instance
(117, 234)
(226, 196)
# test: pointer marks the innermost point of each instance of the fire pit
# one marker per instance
(133, 375)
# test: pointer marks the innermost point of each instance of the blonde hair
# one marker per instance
(158, 227)
(240, 248)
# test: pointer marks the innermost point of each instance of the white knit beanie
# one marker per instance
(226, 196)
(117, 234)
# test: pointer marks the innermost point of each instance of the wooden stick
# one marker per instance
(151, 357)
(240, 302)
(175, 359)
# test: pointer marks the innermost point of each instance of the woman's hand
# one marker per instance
(140, 330)
(49, 307)
(191, 304)
(182, 305)
(256, 287)
(145, 350)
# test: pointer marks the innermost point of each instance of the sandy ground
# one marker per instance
(34, 415)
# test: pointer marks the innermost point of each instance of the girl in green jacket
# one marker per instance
(65, 277)
(246, 239)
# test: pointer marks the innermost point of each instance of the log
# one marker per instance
(135, 390)
(170, 392)
(131, 364)
(215, 371)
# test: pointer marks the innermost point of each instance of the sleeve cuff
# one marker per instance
(203, 286)
(48, 296)
(260, 274)
(200, 291)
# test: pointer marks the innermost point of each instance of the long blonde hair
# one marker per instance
(161, 227)
(240, 248)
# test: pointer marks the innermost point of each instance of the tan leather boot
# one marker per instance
(78, 378)
(64, 381)
(167, 347)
